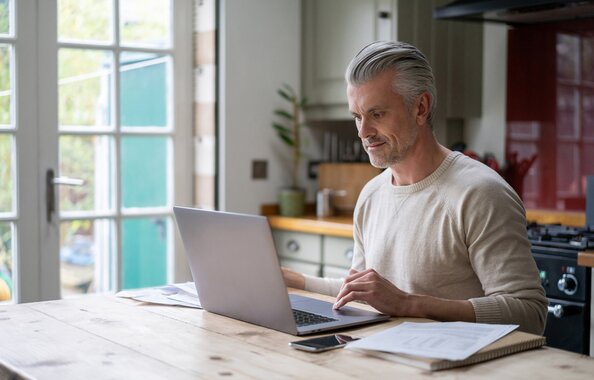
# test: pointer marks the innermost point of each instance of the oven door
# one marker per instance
(568, 325)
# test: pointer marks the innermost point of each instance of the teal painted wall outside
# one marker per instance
(143, 102)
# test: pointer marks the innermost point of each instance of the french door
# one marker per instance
(95, 144)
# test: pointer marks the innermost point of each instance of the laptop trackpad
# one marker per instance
(325, 308)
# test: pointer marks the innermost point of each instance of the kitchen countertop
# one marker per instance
(342, 226)
(586, 259)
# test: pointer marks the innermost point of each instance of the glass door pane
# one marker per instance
(86, 256)
(5, 86)
(145, 23)
(6, 262)
(85, 88)
(85, 20)
(145, 247)
(90, 158)
(5, 17)
(116, 134)
(6, 175)
(7, 158)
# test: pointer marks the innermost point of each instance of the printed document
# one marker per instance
(183, 294)
(439, 340)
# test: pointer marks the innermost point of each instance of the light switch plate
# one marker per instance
(259, 169)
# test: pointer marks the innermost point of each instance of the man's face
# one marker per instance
(386, 127)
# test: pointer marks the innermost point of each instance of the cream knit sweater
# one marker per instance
(460, 233)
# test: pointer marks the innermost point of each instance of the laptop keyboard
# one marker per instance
(304, 318)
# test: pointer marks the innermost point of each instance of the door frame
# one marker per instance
(36, 270)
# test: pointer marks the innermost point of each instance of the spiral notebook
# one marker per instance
(516, 341)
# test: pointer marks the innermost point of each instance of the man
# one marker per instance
(437, 234)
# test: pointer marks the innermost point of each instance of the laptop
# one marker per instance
(237, 274)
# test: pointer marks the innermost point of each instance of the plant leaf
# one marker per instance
(286, 139)
(284, 95)
(290, 90)
(303, 102)
(281, 128)
(284, 114)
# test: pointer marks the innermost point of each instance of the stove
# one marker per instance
(567, 286)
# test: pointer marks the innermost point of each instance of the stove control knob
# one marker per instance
(556, 310)
(568, 284)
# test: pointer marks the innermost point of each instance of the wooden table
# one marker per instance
(102, 336)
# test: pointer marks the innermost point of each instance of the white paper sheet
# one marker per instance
(439, 340)
(182, 294)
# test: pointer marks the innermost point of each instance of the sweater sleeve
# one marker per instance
(499, 251)
(323, 285)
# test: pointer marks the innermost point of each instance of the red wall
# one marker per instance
(550, 112)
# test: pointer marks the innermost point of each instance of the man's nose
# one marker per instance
(365, 129)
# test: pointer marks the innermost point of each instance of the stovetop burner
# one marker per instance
(555, 235)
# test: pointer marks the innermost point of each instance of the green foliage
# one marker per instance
(77, 160)
(4, 84)
(80, 94)
(288, 128)
(86, 20)
(145, 21)
(4, 16)
(6, 185)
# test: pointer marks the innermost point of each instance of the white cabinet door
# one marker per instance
(298, 246)
(338, 251)
(334, 31)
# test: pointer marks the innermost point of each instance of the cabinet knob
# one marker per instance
(349, 254)
(292, 246)
(384, 14)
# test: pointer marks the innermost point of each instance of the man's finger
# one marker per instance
(352, 288)
(351, 296)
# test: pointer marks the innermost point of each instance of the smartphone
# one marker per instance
(322, 343)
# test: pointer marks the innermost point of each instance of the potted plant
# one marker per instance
(291, 199)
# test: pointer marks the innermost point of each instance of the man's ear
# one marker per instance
(423, 106)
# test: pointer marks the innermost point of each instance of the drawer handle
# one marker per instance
(349, 254)
(293, 246)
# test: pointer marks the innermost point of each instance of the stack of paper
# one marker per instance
(443, 345)
(183, 294)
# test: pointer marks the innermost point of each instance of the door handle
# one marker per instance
(50, 197)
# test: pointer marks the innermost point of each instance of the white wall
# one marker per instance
(259, 50)
(487, 134)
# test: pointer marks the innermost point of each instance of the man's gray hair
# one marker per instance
(413, 73)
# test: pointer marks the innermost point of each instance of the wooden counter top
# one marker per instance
(586, 259)
(341, 226)
(566, 218)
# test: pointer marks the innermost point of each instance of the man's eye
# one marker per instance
(377, 115)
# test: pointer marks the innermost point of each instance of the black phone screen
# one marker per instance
(323, 342)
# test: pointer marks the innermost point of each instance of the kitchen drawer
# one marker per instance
(338, 251)
(302, 267)
(335, 272)
(298, 246)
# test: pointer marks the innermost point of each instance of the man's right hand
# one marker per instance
(293, 279)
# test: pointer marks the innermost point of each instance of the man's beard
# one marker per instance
(388, 155)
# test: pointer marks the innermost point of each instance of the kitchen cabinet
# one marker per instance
(335, 30)
(314, 254)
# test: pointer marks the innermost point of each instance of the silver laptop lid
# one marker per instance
(235, 267)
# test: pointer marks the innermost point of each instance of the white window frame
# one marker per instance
(36, 267)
